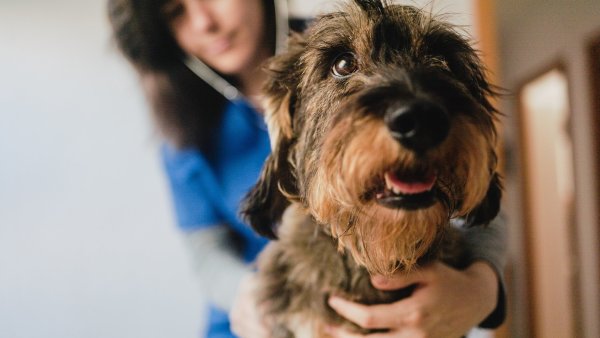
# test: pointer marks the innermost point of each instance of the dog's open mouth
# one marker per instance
(407, 189)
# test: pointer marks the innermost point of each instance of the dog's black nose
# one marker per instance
(419, 125)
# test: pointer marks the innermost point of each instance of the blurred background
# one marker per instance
(88, 245)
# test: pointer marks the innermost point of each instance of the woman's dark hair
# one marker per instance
(185, 107)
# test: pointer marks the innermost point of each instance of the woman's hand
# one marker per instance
(246, 319)
(446, 303)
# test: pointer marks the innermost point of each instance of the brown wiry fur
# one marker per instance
(332, 146)
(305, 267)
(371, 231)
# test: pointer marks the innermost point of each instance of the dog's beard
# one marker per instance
(355, 154)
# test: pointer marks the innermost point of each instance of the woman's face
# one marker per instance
(228, 35)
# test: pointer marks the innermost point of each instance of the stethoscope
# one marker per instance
(222, 86)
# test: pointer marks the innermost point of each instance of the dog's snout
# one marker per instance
(419, 125)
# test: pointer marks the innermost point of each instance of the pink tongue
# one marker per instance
(410, 187)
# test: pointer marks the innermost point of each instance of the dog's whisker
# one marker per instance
(352, 219)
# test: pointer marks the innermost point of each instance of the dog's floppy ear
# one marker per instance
(489, 208)
(264, 205)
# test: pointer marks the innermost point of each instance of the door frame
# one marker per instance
(593, 51)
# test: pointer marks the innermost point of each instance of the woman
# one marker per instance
(199, 62)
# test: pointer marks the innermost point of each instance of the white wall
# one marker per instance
(87, 244)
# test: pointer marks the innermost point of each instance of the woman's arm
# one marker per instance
(489, 244)
(217, 264)
(196, 199)
(226, 281)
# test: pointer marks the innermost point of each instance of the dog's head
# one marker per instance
(381, 127)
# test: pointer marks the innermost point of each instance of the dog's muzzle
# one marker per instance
(419, 125)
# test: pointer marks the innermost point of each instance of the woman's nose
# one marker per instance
(201, 16)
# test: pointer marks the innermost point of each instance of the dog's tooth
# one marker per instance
(388, 181)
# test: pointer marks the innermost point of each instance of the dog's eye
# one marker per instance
(344, 65)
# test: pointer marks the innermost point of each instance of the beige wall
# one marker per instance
(534, 35)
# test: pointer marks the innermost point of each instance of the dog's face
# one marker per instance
(381, 127)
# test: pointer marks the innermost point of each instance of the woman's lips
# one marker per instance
(218, 47)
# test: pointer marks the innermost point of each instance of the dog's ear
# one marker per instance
(264, 205)
(489, 208)
(281, 89)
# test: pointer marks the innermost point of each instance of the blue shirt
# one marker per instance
(208, 187)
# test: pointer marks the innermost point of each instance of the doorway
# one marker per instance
(548, 191)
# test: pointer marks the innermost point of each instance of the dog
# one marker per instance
(383, 136)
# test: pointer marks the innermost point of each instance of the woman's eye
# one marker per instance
(344, 65)
(172, 10)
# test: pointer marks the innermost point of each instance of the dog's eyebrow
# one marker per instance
(391, 33)
(331, 31)
(331, 43)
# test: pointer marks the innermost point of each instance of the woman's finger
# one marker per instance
(381, 316)
(339, 332)
(403, 279)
